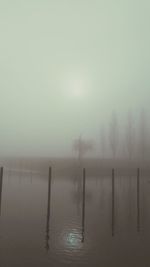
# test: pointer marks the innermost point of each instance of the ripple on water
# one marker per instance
(68, 245)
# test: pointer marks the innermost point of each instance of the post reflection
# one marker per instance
(138, 200)
(1, 185)
(113, 202)
(79, 195)
(47, 237)
(83, 206)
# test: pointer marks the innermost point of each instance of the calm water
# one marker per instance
(109, 227)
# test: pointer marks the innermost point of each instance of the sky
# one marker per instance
(65, 65)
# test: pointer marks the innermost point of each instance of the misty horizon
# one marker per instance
(65, 67)
(74, 133)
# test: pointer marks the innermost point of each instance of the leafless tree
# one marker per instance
(114, 134)
(143, 134)
(130, 135)
(82, 146)
(102, 141)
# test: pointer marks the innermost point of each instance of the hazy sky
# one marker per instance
(65, 65)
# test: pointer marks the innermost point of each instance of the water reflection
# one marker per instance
(115, 209)
(82, 195)
(72, 239)
(1, 185)
(113, 202)
(138, 200)
(48, 210)
(83, 206)
(79, 195)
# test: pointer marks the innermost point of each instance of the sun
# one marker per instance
(74, 85)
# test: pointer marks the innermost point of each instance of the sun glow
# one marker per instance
(75, 85)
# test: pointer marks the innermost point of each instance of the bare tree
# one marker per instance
(102, 141)
(143, 134)
(114, 134)
(82, 146)
(130, 135)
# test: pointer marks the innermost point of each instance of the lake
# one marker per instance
(79, 219)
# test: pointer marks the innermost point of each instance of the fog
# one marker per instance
(74, 70)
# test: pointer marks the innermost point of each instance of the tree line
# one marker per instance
(128, 139)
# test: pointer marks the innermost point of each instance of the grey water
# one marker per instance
(52, 220)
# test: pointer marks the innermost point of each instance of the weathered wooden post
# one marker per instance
(1, 185)
(83, 206)
(138, 200)
(113, 202)
(48, 209)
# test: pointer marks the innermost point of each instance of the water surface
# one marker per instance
(51, 223)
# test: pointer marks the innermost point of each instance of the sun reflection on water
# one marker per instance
(73, 239)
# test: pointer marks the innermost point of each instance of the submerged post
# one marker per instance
(83, 205)
(113, 201)
(48, 209)
(1, 185)
(138, 200)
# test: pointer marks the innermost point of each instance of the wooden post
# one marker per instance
(48, 209)
(113, 202)
(138, 200)
(83, 206)
(1, 185)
